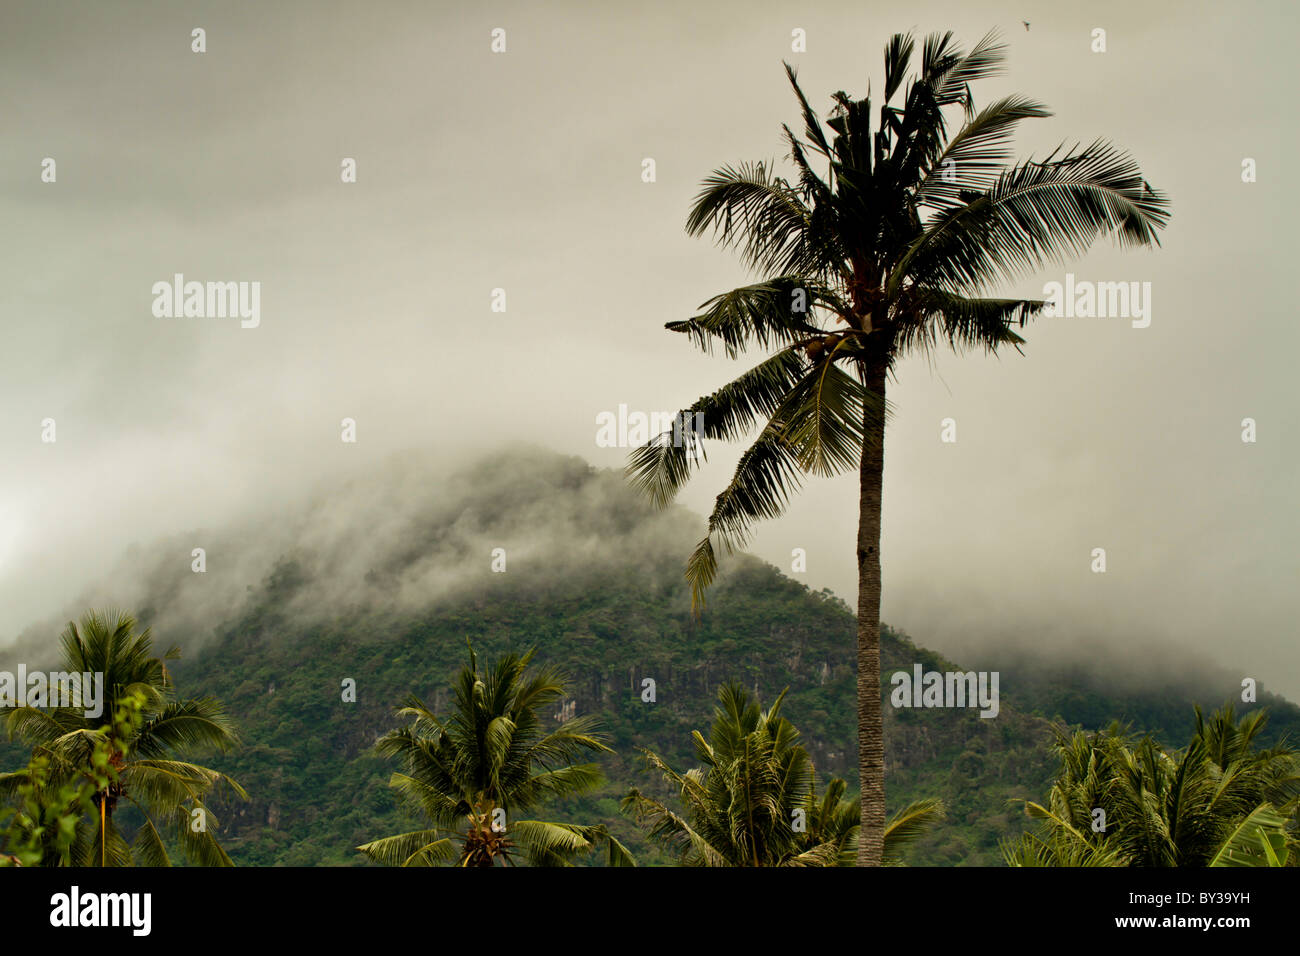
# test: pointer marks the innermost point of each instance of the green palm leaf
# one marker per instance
(1259, 840)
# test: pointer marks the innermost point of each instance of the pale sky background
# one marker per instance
(522, 170)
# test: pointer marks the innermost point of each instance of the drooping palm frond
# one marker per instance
(910, 824)
(417, 848)
(777, 312)
(963, 323)
(1259, 840)
(148, 847)
(1036, 212)
(188, 726)
(671, 831)
(818, 428)
(662, 466)
(559, 844)
(822, 418)
(765, 477)
(761, 215)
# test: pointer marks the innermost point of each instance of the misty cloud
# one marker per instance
(522, 171)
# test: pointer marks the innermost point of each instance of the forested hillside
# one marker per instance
(593, 581)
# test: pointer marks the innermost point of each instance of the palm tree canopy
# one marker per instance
(169, 793)
(471, 773)
(890, 235)
(753, 801)
(1219, 801)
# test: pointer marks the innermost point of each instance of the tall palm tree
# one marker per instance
(754, 802)
(887, 241)
(1220, 801)
(471, 773)
(170, 793)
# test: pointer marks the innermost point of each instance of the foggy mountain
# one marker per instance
(384, 577)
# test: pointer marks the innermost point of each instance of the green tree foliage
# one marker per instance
(754, 801)
(167, 795)
(491, 759)
(1221, 801)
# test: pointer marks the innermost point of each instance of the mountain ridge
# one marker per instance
(593, 580)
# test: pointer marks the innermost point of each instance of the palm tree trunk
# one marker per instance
(871, 742)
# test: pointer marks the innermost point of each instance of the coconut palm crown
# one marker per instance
(472, 774)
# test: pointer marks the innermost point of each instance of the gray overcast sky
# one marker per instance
(522, 170)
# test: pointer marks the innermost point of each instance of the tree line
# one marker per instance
(481, 775)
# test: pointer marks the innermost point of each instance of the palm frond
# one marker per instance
(910, 824)
(762, 216)
(1035, 213)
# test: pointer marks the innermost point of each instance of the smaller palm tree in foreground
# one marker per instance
(754, 802)
(471, 774)
(1123, 802)
(169, 794)
(43, 825)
